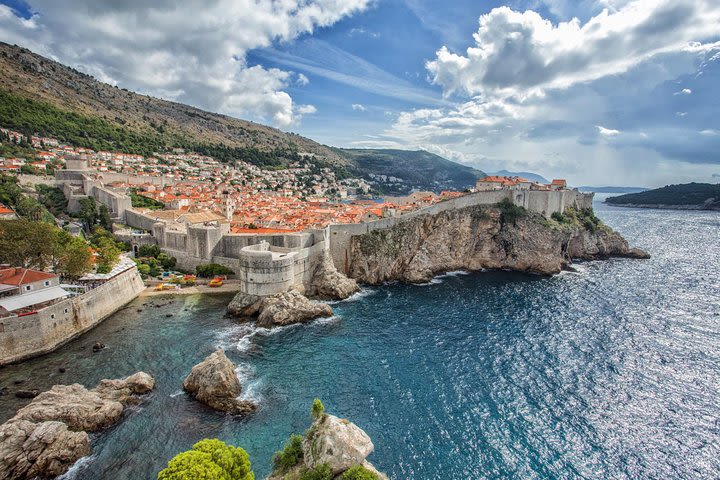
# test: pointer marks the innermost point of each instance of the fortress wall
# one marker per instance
(33, 335)
(139, 220)
(262, 272)
(117, 203)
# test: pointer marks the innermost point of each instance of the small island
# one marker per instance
(689, 196)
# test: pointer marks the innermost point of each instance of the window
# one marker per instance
(28, 288)
(66, 310)
(47, 283)
(52, 315)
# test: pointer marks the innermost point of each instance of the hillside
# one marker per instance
(417, 169)
(31, 76)
(39, 95)
(691, 196)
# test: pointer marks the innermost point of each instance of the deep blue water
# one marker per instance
(609, 373)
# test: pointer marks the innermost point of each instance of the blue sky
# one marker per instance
(623, 92)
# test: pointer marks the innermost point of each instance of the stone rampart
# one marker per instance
(32, 335)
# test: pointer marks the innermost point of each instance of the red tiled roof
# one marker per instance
(23, 276)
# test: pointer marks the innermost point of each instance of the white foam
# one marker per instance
(364, 292)
(77, 466)
(176, 393)
(252, 387)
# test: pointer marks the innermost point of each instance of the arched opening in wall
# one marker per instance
(135, 250)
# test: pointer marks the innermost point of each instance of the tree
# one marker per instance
(358, 472)
(108, 254)
(24, 243)
(88, 213)
(104, 218)
(317, 410)
(209, 459)
(290, 455)
(76, 258)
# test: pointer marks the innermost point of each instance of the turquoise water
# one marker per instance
(612, 372)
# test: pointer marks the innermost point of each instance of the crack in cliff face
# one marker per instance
(475, 238)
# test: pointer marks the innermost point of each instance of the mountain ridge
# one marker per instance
(43, 95)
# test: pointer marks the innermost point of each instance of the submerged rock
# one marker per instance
(48, 435)
(290, 307)
(214, 383)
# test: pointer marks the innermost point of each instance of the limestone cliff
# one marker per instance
(481, 237)
(214, 383)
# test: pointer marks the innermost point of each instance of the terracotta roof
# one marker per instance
(23, 276)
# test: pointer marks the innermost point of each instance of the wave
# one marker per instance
(363, 293)
(77, 466)
(177, 393)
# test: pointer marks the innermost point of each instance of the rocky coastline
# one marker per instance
(47, 436)
(481, 238)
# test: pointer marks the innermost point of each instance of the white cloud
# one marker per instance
(523, 54)
(194, 52)
(684, 91)
(302, 80)
(359, 107)
(607, 132)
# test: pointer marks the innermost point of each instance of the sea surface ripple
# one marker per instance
(612, 372)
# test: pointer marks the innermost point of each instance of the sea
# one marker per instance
(609, 372)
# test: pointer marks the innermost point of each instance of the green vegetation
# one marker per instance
(209, 459)
(358, 472)
(30, 116)
(212, 269)
(509, 212)
(416, 168)
(688, 194)
(151, 261)
(52, 198)
(573, 218)
(290, 455)
(11, 195)
(144, 202)
(39, 245)
(320, 472)
(107, 248)
(317, 410)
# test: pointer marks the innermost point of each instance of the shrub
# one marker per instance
(321, 472)
(210, 459)
(358, 472)
(290, 455)
(558, 217)
(509, 212)
(148, 251)
(317, 410)
(212, 269)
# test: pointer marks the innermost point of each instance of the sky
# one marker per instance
(601, 92)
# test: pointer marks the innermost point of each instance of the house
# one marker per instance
(490, 182)
(558, 184)
(17, 281)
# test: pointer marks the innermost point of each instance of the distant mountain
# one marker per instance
(690, 196)
(586, 188)
(418, 170)
(527, 175)
(39, 95)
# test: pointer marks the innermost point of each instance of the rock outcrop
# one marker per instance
(290, 307)
(335, 442)
(476, 238)
(330, 284)
(277, 310)
(48, 435)
(214, 383)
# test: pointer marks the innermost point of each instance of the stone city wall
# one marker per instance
(32, 335)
